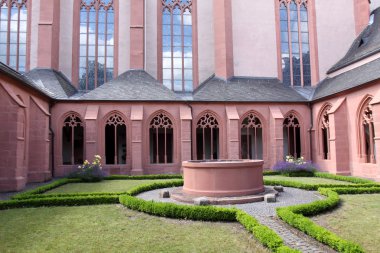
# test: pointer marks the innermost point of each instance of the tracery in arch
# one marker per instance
(13, 33)
(161, 139)
(368, 133)
(325, 132)
(251, 137)
(72, 140)
(292, 136)
(207, 137)
(96, 54)
(115, 140)
(177, 45)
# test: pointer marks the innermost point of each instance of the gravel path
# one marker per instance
(265, 213)
(8, 195)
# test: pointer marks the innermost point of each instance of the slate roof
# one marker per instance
(366, 44)
(348, 80)
(133, 85)
(240, 89)
(22, 78)
(52, 82)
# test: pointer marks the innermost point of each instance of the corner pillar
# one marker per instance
(186, 118)
(232, 133)
(137, 147)
(276, 136)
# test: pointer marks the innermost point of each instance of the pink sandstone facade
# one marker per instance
(256, 79)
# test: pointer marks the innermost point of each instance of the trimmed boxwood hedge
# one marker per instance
(295, 216)
(144, 177)
(350, 179)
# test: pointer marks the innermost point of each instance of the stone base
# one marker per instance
(12, 184)
(39, 176)
(179, 195)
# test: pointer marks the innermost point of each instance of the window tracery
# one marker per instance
(115, 140)
(368, 136)
(96, 39)
(13, 33)
(325, 132)
(292, 136)
(251, 138)
(207, 137)
(161, 139)
(295, 46)
(72, 140)
(177, 45)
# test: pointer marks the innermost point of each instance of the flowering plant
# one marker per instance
(90, 172)
(295, 167)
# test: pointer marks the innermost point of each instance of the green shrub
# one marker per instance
(45, 188)
(154, 186)
(54, 201)
(90, 172)
(350, 179)
(143, 177)
(321, 234)
(358, 190)
(170, 210)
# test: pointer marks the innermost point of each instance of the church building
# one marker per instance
(147, 84)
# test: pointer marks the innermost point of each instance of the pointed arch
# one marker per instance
(366, 131)
(251, 135)
(207, 130)
(161, 137)
(115, 138)
(324, 131)
(292, 134)
(72, 139)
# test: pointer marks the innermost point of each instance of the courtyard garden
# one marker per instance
(110, 216)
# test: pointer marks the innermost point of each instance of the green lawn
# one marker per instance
(306, 180)
(357, 219)
(113, 228)
(103, 186)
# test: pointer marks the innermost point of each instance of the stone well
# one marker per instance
(223, 178)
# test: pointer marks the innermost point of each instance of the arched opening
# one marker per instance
(368, 134)
(251, 138)
(161, 139)
(115, 140)
(72, 140)
(207, 137)
(292, 136)
(325, 133)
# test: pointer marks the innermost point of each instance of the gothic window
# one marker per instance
(251, 138)
(368, 133)
(295, 48)
(13, 30)
(115, 140)
(207, 137)
(72, 140)
(177, 45)
(161, 139)
(96, 49)
(292, 136)
(325, 133)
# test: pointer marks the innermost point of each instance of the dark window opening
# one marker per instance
(72, 141)
(161, 140)
(116, 140)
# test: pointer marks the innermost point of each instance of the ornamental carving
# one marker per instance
(72, 121)
(181, 4)
(251, 121)
(367, 115)
(161, 121)
(96, 4)
(298, 2)
(14, 3)
(291, 121)
(325, 117)
(115, 120)
(208, 121)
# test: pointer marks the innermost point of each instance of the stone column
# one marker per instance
(137, 34)
(137, 145)
(339, 145)
(276, 136)
(375, 103)
(91, 132)
(224, 63)
(232, 133)
(186, 119)
(48, 34)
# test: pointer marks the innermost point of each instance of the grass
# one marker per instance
(306, 180)
(357, 219)
(103, 186)
(113, 228)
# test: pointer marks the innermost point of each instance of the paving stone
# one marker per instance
(278, 188)
(270, 198)
(202, 201)
(164, 194)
